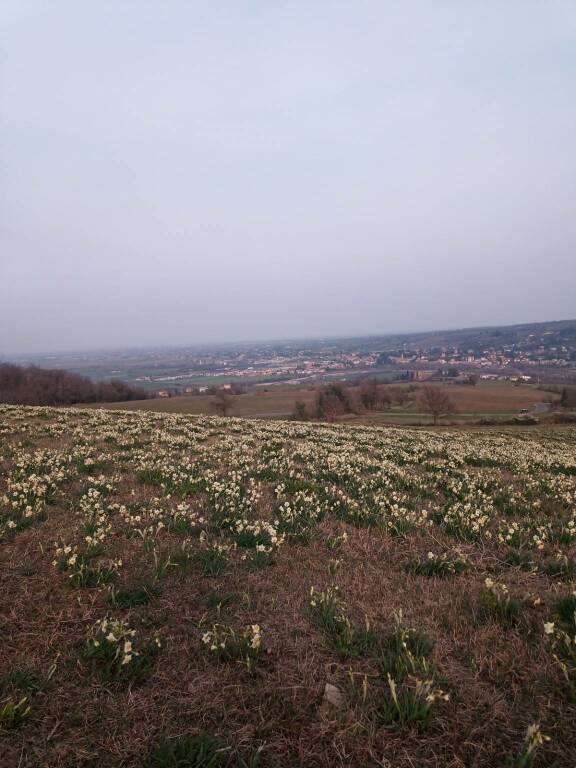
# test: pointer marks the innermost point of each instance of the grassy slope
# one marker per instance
(379, 487)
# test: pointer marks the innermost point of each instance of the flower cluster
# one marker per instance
(111, 651)
(225, 644)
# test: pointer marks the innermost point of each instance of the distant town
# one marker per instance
(539, 352)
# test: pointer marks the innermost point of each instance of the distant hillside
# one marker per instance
(548, 333)
(40, 386)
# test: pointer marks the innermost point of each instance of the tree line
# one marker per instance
(31, 385)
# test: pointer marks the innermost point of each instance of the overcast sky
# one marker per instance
(180, 171)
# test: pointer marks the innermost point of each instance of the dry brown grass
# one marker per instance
(485, 398)
(499, 680)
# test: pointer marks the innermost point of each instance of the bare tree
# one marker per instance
(332, 400)
(300, 412)
(403, 396)
(436, 402)
(568, 398)
(42, 386)
(222, 402)
(373, 395)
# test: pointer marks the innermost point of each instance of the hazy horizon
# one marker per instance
(248, 342)
(183, 174)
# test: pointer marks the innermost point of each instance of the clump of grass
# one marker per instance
(405, 652)
(217, 601)
(410, 704)
(227, 645)
(89, 466)
(13, 715)
(161, 564)
(334, 565)
(411, 690)
(251, 762)
(336, 542)
(183, 559)
(80, 570)
(111, 653)
(150, 476)
(328, 612)
(566, 608)
(87, 576)
(439, 566)
(213, 560)
(203, 751)
(562, 568)
(533, 740)
(26, 571)
(27, 679)
(564, 653)
(130, 597)
(260, 558)
(496, 603)
(518, 559)
(18, 521)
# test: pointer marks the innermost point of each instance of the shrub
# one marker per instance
(332, 401)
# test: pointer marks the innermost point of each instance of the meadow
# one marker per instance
(182, 590)
(488, 399)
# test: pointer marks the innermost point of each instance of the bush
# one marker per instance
(332, 401)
